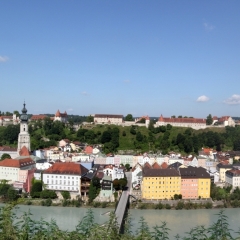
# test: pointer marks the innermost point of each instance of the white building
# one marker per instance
(232, 178)
(108, 119)
(64, 177)
(136, 175)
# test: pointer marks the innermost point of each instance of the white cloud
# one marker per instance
(84, 93)
(203, 98)
(233, 100)
(3, 58)
(208, 27)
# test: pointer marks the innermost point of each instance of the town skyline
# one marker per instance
(169, 58)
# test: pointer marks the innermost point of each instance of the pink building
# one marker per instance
(189, 183)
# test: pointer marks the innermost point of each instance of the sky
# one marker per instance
(121, 57)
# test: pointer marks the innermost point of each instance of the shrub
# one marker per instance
(208, 205)
(168, 206)
(104, 204)
(96, 204)
(142, 206)
(159, 206)
(48, 202)
(29, 202)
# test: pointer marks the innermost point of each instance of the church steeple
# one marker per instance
(23, 136)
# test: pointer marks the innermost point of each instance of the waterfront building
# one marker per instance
(62, 117)
(18, 172)
(137, 175)
(160, 183)
(64, 177)
(191, 177)
(233, 178)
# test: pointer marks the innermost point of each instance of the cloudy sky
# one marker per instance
(120, 57)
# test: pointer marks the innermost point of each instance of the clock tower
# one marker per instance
(23, 136)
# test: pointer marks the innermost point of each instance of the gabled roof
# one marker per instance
(182, 120)
(147, 166)
(66, 168)
(16, 163)
(164, 165)
(160, 173)
(135, 167)
(156, 166)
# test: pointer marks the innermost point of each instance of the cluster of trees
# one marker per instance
(94, 189)
(9, 113)
(27, 228)
(7, 192)
(120, 184)
(37, 191)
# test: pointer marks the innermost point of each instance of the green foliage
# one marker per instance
(209, 119)
(48, 194)
(36, 189)
(65, 195)
(129, 117)
(5, 156)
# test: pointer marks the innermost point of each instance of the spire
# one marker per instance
(24, 116)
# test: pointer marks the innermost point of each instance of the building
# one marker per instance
(107, 187)
(18, 172)
(233, 178)
(62, 117)
(9, 150)
(195, 123)
(7, 120)
(160, 183)
(23, 136)
(224, 121)
(64, 177)
(222, 168)
(137, 176)
(39, 117)
(108, 119)
(195, 183)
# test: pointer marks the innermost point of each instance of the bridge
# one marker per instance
(122, 204)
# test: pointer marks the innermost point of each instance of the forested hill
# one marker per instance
(138, 139)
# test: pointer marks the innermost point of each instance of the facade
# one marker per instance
(39, 117)
(64, 177)
(62, 117)
(195, 123)
(224, 121)
(23, 136)
(137, 175)
(160, 183)
(233, 178)
(222, 168)
(18, 172)
(107, 187)
(191, 177)
(108, 119)
(7, 120)
(9, 150)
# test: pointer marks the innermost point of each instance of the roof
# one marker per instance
(182, 120)
(38, 117)
(8, 149)
(164, 165)
(66, 168)
(161, 173)
(194, 172)
(221, 165)
(156, 166)
(233, 172)
(58, 114)
(16, 163)
(107, 116)
(175, 165)
(24, 151)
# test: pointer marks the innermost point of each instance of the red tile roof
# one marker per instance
(182, 120)
(16, 163)
(156, 166)
(66, 168)
(38, 117)
(164, 165)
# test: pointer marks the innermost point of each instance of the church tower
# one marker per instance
(23, 136)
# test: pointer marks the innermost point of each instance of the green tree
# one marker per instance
(66, 195)
(5, 156)
(36, 189)
(209, 120)
(92, 192)
(129, 117)
(90, 119)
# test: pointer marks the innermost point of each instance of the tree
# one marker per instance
(65, 195)
(5, 156)
(127, 166)
(36, 189)
(129, 117)
(90, 119)
(209, 120)
(92, 192)
(12, 194)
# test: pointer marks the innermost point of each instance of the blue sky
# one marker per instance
(120, 57)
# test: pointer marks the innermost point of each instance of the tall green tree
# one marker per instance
(209, 120)
(129, 117)
(5, 156)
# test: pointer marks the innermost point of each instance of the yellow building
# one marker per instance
(160, 183)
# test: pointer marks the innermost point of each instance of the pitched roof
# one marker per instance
(156, 166)
(182, 120)
(66, 168)
(194, 172)
(147, 166)
(160, 173)
(107, 116)
(24, 151)
(16, 163)
(164, 165)
(7, 148)
(38, 117)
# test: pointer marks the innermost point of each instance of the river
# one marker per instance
(179, 221)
